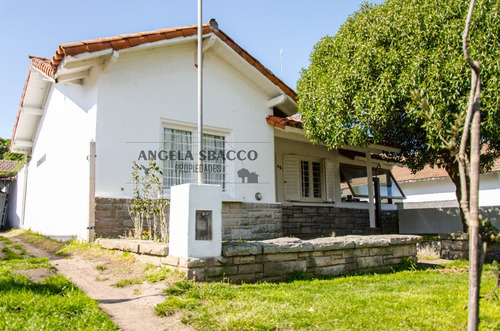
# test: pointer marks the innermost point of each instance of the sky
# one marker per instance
(261, 27)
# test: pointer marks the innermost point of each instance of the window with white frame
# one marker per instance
(214, 162)
(307, 179)
(180, 142)
(180, 169)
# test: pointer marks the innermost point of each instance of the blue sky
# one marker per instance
(262, 27)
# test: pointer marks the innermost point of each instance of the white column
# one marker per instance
(371, 195)
(185, 201)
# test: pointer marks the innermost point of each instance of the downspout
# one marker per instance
(91, 220)
(25, 187)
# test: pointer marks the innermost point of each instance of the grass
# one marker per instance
(417, 299)
(50, 245)
(126, 282)
(5, 240)
(54, 303)
(10, 254)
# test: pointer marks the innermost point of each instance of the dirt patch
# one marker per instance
(36, 275)
(131, 307)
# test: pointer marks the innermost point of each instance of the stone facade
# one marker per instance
(278, 259)
(314, 222)
(452, 246)
(251, 221)
(246, 221)
(112, 219)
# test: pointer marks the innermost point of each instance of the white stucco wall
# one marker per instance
(431, 205)
(145, 90)
(443, 189)
(58, 188)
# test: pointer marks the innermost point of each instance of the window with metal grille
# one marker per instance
(180, 170)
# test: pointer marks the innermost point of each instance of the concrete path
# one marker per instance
(131, 307)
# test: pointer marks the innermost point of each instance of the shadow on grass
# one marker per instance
(53, 285)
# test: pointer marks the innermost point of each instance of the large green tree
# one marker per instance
(5, 154)
(395, 73)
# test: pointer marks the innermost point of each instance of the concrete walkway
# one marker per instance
(131, 307)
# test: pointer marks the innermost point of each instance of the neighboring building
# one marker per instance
(8, 171)
(431, 204)
(135, 96)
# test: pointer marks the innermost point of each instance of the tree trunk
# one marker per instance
(453, 172)
(475, 245)
(474, 115)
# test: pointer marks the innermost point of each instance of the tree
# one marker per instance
(396, 73)
(5, 154)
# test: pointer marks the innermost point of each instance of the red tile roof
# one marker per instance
(9, 168)
(403, 174)
(280, 122)
(49, 67)
(132, 40)
(42, 64)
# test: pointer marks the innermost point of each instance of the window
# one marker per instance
(180, 142)
(307, 179)
(354, 183)
(216, 167)
(180, 169)
(310, 179)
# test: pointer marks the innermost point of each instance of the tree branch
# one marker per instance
(465, 37)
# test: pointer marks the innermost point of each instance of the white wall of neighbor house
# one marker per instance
(443, 189)
(58, 172)
(431, 205)
(297, 144)
(145, 91)
(15, 200)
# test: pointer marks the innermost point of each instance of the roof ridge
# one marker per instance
(131, 40)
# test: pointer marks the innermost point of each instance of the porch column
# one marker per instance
(371, 198)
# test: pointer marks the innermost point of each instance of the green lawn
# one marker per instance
(407, 300)
(51, 304)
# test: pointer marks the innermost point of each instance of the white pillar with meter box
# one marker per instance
(195, 220)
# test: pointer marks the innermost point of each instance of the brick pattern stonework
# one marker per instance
(313, 222)
(246, 221)
(250, 221)
(453, 246)
(278, 259)
(112, 218)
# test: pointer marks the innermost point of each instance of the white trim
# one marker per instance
(31, 111)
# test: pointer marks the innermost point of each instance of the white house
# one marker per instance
(135, 97)
(431, 205)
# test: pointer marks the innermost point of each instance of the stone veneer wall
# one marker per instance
(246, 221)
(313, 222)
(112, 218)
(278, 259)
(452, 246)
(250, 221)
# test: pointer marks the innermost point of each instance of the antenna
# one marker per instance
(281, 62)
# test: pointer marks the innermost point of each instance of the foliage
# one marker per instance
(424, 299)
(48, 244)
(54, 303)
(148, 206)
(395, 73)
(5, 154)
(126, 282)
